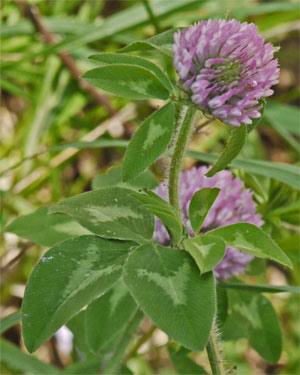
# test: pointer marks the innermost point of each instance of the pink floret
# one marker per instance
(226, 67)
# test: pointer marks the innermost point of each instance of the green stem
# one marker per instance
(113, 365)
(140, 342)
(214, 353)
(186, 120)
(151, 16)
(185, 123)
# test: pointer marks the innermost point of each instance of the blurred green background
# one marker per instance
(44, 49)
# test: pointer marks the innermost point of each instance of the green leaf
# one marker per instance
(110, 213)
(114, 365)
(88, 366)
(256, 267)
(128, 81)
(251, 239)
(77, 325)
(114, 178)
(161, 42)
(149, 142)
(262, 288)
(68, 277)
(182, 363)
(167, 285)
(200, 204)
(124, 370)
(235, 144)
(283, 116)
(207, 251)
(114, 58)
(256, 317)
(256, 121)
(45, 230)
(163, 210)
(10, 321)
(243, 13)
(231, 331)
(119, 22)
(276, 120)
(222, 306)
(14, 89)
(107, 317)
(100, 143)
(288, 174)
(25, 363)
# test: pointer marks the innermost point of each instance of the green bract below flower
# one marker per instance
(226, 67)
(234, 204)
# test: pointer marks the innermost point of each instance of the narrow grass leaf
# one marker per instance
(284, 115)
(262, 288)
(288, 174)
(161, 42)
(10, 321)
(117, 23)
(14, 357)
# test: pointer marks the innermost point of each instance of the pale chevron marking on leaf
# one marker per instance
(179, 278)
(108, 213)
(242, 243)
(70, 228)
(118, 293)
(204, 249)
(142, 87)
(84, 272)
(154, 132)
(250, 312)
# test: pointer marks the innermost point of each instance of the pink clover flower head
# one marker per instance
(226, 67)
(234, 204)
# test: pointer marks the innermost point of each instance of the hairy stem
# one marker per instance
(186, 119)
(214, 353)
(185, 123)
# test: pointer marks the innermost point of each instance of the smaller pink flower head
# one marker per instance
(234, 204)
(226, 67)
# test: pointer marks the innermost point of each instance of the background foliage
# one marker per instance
(48, 114)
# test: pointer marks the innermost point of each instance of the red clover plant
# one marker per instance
(207, 225)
